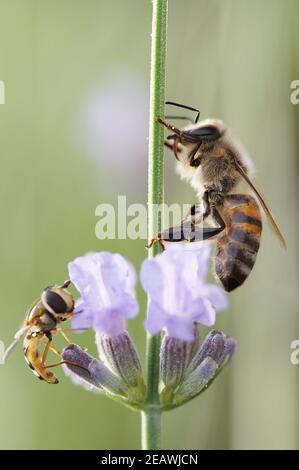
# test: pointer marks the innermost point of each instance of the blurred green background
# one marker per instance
(73, 135)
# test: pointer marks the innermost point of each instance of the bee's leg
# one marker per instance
(156, 239)
(170, 127)
(190, 228)
(210, 232)
(175, 146)
(168, 145)
(183, 231)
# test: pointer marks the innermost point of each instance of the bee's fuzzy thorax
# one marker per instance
(214, 158)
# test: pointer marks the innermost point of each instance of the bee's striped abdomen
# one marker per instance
(238, 244)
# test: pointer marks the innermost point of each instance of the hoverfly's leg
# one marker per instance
(70, 363)
(46, 350)
(64, 335)
(56, 351)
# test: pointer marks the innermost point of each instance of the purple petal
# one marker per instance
(203, 260)
(216, 296)
(178, 327)
(106, 282)
(151, 278)
(81, 317)
(156, 318)
(178, 292)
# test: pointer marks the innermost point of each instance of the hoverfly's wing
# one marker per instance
(263, 204)
(29, 310)
(18, 336)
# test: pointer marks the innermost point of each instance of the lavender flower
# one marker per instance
(106, 282)
(179, 294)
(214, 354)
(91, 373)
(180, 301)
(98, 376)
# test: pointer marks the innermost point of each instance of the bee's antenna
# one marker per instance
(185, 107)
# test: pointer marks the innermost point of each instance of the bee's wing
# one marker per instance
(18, 336)
(263, 204)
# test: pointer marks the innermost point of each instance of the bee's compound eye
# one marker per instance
(201, 134)
(55, 301)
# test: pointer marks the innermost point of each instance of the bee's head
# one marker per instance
(195, 137)
(58, 301)
(209, 130)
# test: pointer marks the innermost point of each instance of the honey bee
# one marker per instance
(214, 163)
(55, 305)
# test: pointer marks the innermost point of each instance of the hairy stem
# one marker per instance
(151, 417)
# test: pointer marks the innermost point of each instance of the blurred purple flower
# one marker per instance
(112, 126)
(106, 282)
(179, 293)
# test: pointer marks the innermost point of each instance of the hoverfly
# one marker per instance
(55, 305)
(213, 162)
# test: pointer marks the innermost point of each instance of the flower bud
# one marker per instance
(120, 355)
(91, 373)
(231, 348)
(197, 381)
(214, 354)
(213, 346)
(175, 357)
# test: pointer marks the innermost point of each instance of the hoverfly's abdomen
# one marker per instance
(238, 244)
(31, 345)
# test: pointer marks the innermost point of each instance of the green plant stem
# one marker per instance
(151, 429)
(151, 416)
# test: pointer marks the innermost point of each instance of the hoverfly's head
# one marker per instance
(59, 301)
